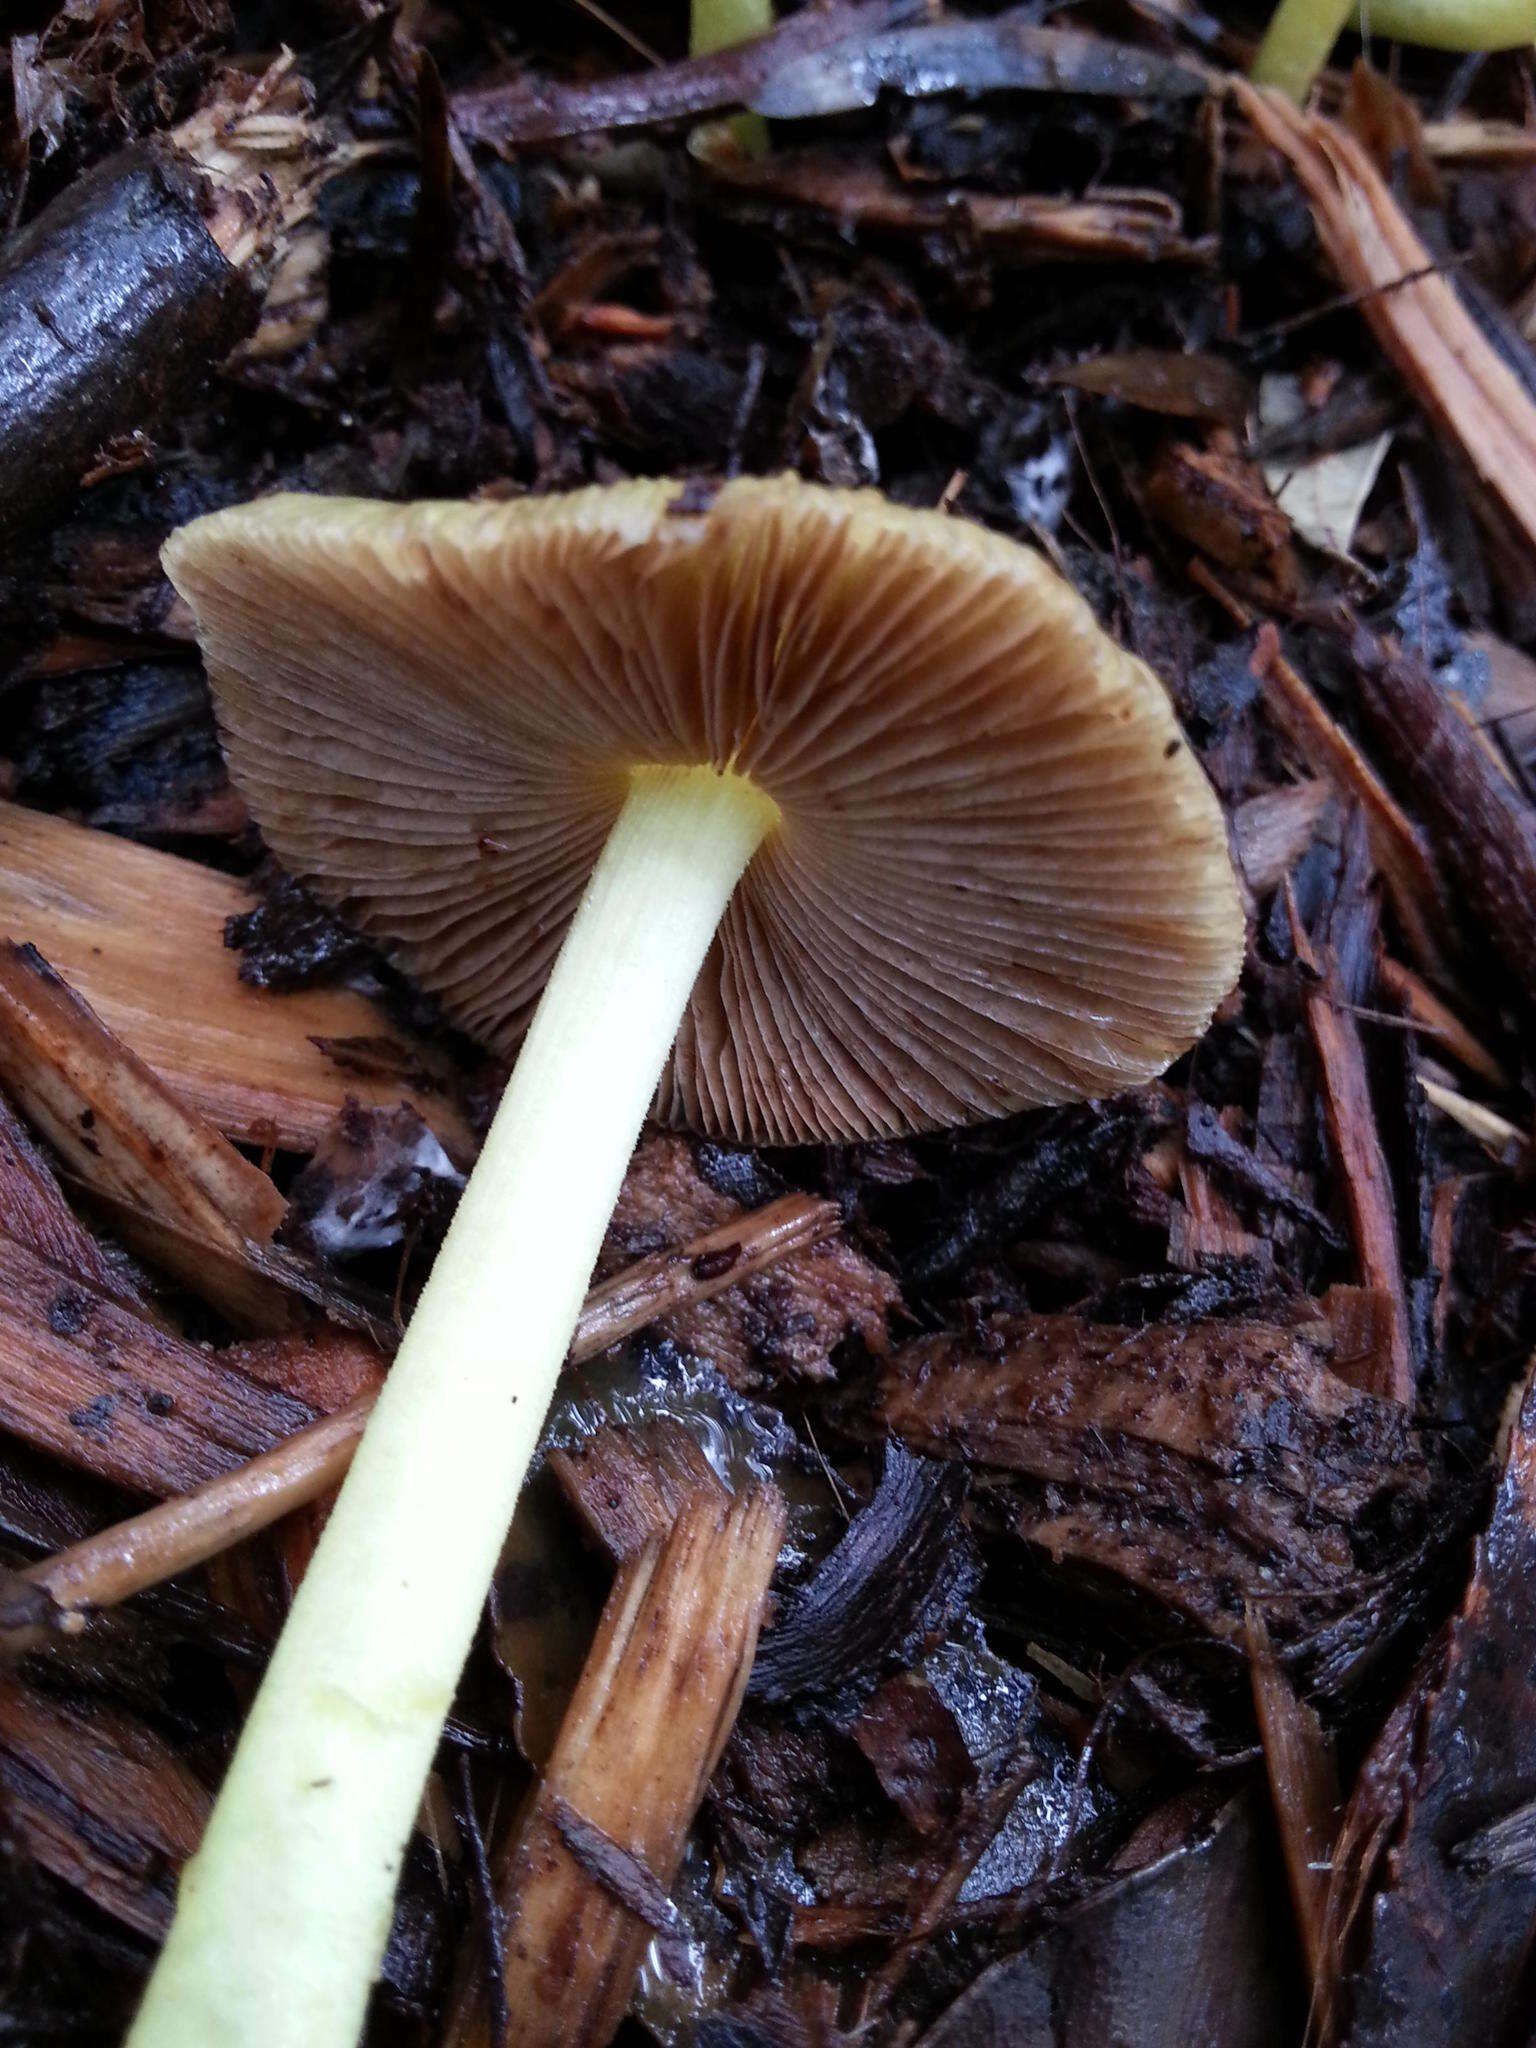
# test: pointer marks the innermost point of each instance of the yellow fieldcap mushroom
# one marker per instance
(842, 819)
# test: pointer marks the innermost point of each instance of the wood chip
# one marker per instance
(140, 936)
(1271, 831)
(118, 1128)
(100, 1801)
(1339, 957)
(106, 1391)
(624, 1495)
(1467, 139)
(656, 1701)
(1304, 1785)
(1440, 1022)
(1363, 1171)
(1475, 400)
(627, 1484)
(1397, 845)
(171, 1186)
(786, 1324)
(1482, 828)
(1497, 1133)
(1220, 504)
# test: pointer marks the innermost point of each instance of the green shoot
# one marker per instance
(1302, 33)
(1455, 24)
(716, 25)
(1297, 43)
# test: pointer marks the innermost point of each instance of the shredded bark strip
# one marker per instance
(100, 1801)
(109, 1392)
(37, 1215)
(1475, 399)
(885, 1586)
(1304, 1786)
(1449, 1931)
(1121, 1455)
(1483, 829)
(1340, 960)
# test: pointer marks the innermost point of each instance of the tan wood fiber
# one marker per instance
(140, 936)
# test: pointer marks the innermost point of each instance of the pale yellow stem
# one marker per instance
(284, 1912)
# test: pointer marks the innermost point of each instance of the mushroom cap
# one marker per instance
(1000, 878)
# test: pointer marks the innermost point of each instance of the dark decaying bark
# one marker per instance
(1482, 824)
(898, 1575)
(1149, 1959)
(1397, 844)
(1186, 1466)
(1072, 1151)
(785, 1323)
(115, 303)
(100, 1801)
(1444, 1919)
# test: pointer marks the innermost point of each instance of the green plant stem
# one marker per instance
(716, 25)
(1297, 43)
(1302, 33)
(1455, 24)
(284, 1912)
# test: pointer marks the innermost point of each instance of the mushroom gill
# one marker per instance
(999, 876)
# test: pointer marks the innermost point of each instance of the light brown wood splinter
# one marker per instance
(140, 936)
(657, 1699)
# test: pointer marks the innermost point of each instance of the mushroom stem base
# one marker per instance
(284, 1912)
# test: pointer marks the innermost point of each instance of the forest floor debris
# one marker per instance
(1091, 1481)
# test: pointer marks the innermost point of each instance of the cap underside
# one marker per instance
(1000, 878)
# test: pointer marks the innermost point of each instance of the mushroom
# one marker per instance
(842, 819)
